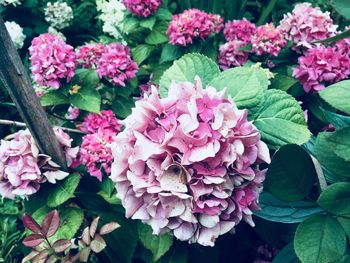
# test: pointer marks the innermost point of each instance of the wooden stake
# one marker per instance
(18, 84)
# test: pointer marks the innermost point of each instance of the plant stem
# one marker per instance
(23, 125)
(266, 12)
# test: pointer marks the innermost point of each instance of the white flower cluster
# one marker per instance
(16, 33)
(112, 16)
(54, 31)
(10, 2)
(58, 14)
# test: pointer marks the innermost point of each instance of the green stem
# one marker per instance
(242, 9)
(267, 11)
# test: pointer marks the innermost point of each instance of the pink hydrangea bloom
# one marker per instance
(268, 40)
(52, 60)
(189, 163)
(239, 30)
(321, 65)
(95, 153)
(106, 120)
(89, 54)
(143, 8)
(72, 113)
(231, 55)
(193, 24)
(116, 64)
(146, 89)
(307, 24)
(23, 168)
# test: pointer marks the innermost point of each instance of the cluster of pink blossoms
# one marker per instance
(307, 24)
(189, 163)
(95, 153)
(193, 24)
(116, 64)
(231, 55)
(322, 65)
(23, 168)
(143, 8)
(89, 54)
(52, 60)
(239, 30)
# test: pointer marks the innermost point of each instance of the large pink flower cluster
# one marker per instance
(143, 8)
(23, 168)
(116, 64)
(231, 55)
(106, 120)
(189, 163)
(239, 30)
(307, 24)
(52, 60)
(268, 40)
(95, 153)
(193, 24)
(89, 54)
(321, 65)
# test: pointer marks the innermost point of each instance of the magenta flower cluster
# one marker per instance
(23, 168)
(322, 65)
(116, 64)
(231, 54)
(193, 24)
(89, 54)
(52, 60)
(142, 8)
(95, 154)
(189, 163)
(306, 24)
(242, 30)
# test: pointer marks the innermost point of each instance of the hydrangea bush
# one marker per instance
(193, 131)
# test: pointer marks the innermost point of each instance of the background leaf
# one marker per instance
(63, 191)
(336, 199)
(334, 95)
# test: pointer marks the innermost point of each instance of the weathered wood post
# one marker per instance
(18, 84)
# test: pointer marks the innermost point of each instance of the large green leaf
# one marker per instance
(88, 99)
(54, 97)
(337, 120)
(336, 199)
(63, 191)
(340, 140)
(291, 173)
(186, 68)
(245, 85)
(342, 7)
(141, 52)
(281, 120)
(287, 255)
(158, 34)
(335, 94)
(158, 244)
(273, 209)
(337, 169)
(320, 239)
(71, 219)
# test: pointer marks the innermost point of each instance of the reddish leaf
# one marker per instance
(31, 224)
(84, 254)
(86, 236)
(93, 226)
(61, 245)
(98, 244)
(33, 240)
(52, 259)
(50, 224)
(108, 228)
(41, 257)
(30, 256)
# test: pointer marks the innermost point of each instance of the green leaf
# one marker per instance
(158, 34)
(342, 7)
(337, 169)
(164, 14)
(342, 35)
(280, 120)
(335, 94)
(337, 120)
(245, 85)
(54, 97)
(283, 82)
(320, 239)
(273, 209)
(291, 173)
(88, 99)
(148, 22)
(345, 223)
(340, 140)
(170, 53)
(177, 254)
(141, 52)
(87, 78)
(71, 220)
(336, 199)
(63, 191)
(130, 24)
(287, 255)
(108, 191)
(122, 106)
(158, 244)
(186, 68)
